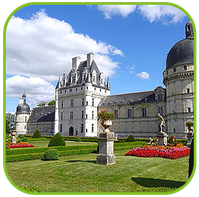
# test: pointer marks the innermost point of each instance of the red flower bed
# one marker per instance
(168, 152)
(19, 145)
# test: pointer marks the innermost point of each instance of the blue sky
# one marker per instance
(130, 44)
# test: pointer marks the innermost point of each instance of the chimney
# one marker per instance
(89, 59)
(75, 62)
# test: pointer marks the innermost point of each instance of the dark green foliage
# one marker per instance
(23, 154)
(191, 158)
(51, 102)
(51, 154)
(57, 140)
(130, 138)
(36, 134)
(172, 140)
(78, 139)
(7, 147)
(22, 138)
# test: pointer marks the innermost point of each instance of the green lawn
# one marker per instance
(80, 173)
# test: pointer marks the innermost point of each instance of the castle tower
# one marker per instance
(178, 77)
(22, 116)
(77, 96)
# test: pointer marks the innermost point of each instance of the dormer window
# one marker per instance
(102, 78)
(94, 78)
(73, 79)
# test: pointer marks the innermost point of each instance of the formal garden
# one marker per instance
(68, 164)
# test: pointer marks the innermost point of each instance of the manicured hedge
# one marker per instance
(32, 156)
(37, 153)
(44, 149)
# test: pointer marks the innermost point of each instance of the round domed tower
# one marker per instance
(178, 77)
(22, 116)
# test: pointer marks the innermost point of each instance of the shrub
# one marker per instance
(130, 138)
(51, 154)
(36, 134)
(57, 140)
(22, 138)
(172, 140)
(78, 139)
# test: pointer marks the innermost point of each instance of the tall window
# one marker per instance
(189, 109)
(73, 79)
(82, 101)
(60, 128)
(188, 90)
(82, 114)
(159, 97)
(129, 113)
(61, 115)
(82, 128)
(143, 112)
(62, 104)
(72, 103)
(160, 110)
(93, 102)
(71, 115)
(94, 78)
(92, 114)
(92, 128)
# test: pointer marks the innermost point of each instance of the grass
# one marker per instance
(80, 173)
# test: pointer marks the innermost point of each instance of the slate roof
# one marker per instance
(129, 98)
(23, 109)
(80, 69)
(181, 53)
(43, 114)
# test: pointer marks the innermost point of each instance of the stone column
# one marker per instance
(162, 139)
(106, 149)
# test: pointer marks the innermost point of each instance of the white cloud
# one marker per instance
(110, 10)
(164, 13)
(131, 69)
(43, 47)
(36, 89)
(143, 75)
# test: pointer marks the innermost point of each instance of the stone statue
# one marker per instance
(162, 122)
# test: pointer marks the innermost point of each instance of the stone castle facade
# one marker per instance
(84, 92)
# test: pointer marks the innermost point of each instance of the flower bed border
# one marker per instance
(159, 151)
(19, 145)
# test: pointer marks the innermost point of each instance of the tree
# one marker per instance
(10, 122)
(57, 140)
(130, 138)
(36, 134)
(51, 102)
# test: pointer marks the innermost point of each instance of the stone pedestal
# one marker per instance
(106, 149)
(189, 138)
(162, 138)
(13, 138)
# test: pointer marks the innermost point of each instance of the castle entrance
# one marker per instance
(71, 131)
